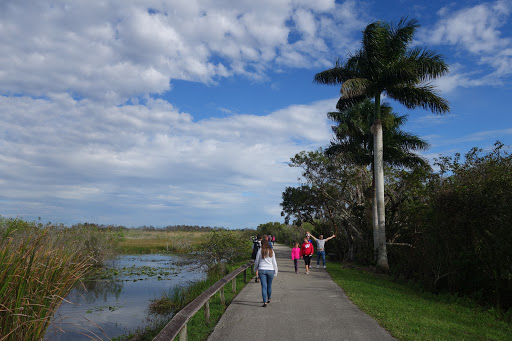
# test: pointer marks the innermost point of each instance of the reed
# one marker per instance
(37, 270)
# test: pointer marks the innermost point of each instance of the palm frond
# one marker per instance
(354, 87)
(427, 64)
(401, 35)
(419, 96)
(405, 159)
(346, 102)
(405, 141)
(336, 75)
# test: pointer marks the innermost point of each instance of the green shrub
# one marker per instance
(221, 247)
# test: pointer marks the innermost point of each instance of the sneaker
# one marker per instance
(325, 267)
(317, 266)
(307, 272)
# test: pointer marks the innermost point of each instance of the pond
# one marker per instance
(112, 307)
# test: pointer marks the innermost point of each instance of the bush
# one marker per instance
(224, 246)
(458, 225)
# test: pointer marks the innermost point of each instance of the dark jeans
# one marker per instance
(266, 277)
(296, 263)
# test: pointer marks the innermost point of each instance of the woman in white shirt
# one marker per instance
(266, 267)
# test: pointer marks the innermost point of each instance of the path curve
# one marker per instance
(304, 307)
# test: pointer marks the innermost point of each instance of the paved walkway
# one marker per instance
(303, 307)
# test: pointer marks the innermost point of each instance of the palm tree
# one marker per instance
(386, 65)
(354, 139)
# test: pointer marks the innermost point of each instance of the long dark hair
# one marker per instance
(266, 249)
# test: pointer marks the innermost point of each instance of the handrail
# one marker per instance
(178, 324)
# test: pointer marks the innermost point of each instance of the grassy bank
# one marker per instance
(197, 329)
(411, 314)
(143, 241)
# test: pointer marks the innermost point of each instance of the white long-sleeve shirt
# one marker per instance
(267, 263)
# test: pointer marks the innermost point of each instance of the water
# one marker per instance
(107, 308)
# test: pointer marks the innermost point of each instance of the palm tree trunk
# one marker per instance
(375, 223)
(378, 155)
(375, 217)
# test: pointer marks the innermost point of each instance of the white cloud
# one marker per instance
(60, 152)
(457, 77)
(478, 32)
(475, 28)
(116, 50)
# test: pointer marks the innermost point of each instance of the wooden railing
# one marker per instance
(178, 324)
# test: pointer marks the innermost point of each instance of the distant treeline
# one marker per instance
(185, 228)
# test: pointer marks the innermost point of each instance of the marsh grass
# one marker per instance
(144, 241)
(37, 270)
(409, 313)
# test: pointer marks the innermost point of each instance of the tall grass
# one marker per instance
(37, 270)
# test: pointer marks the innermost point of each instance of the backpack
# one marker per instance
(255, 247)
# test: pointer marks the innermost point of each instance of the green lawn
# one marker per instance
(409, 314)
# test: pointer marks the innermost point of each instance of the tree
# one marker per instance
(386, 65)
(472, 222)
(284, 233)
(300, 203)
(331, 197)
(353, 138)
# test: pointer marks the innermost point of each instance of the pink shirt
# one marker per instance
(296, 253)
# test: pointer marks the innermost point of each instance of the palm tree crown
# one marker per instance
(384, 64)
(353, 137)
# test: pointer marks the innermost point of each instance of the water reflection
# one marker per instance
(104, 309)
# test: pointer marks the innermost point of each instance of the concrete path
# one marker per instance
(304, 307)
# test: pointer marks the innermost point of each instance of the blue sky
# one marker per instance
(186, 112)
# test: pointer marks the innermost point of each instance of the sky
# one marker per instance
(170, 112)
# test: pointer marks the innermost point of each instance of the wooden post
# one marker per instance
(245, 276)
(207, 312)
(233, 285)
(222, 298)
(183, 333)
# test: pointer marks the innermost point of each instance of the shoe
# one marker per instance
(317, 266)
(307, 272)
(264, 305)
(325, 267)
(268, 301)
